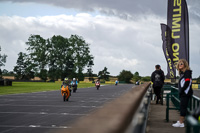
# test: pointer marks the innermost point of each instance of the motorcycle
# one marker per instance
(97, 84)
(74, 87)
(137, 83)
(65, 92)
(116, 82)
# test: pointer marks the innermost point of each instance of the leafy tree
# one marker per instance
(43, 74)
(24, 70)
(125, 76)
(81, 54)
(68, 56)
(198, 79)
(38, 49)
(7, 73)
(4, 72)
(136, 76)
(147, 78)
(89, 70)
(2, 61)
(104, 74)
(59, 57)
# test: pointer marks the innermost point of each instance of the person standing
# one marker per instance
(157, 77)
(185, 89)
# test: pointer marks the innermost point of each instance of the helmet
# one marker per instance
(74, 78)
(65, 79)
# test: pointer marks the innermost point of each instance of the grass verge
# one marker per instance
(28, 87)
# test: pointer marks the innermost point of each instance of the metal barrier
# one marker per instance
(139, 120)
(174, 100)
(192, 124)
(175, 97)
(166, 87)
(128, 114)
(193, 104)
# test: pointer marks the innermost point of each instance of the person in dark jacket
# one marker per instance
(66, 82)
(157, 77)
(185, 89)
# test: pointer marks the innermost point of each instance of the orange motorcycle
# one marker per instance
(65, 92)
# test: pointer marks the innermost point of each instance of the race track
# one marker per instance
(46, 112)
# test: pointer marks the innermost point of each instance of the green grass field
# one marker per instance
(28, 87)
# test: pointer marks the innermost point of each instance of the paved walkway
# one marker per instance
(157, 123)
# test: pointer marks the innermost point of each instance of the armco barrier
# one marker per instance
(118, 115)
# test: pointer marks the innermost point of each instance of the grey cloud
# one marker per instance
(125, 9)
(121, 8)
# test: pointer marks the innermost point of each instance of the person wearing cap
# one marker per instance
(157, 77)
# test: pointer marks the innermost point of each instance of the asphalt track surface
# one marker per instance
(43, 112)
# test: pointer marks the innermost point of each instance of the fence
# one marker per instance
(192, 125)
(194, 102)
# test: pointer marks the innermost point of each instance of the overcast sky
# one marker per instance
(123, 34)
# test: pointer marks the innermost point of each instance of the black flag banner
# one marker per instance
(178, 23)
(171, 71)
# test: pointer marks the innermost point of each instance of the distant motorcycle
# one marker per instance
(97, 84)
(65, 92)
(116, 82)
(137, 83)
(74, 87)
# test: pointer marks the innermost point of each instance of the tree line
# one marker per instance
(55, 58)
(58, 57)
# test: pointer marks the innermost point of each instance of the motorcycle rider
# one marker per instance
(74, 83)
(66, 82)
(97, 82)
(116, 82)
